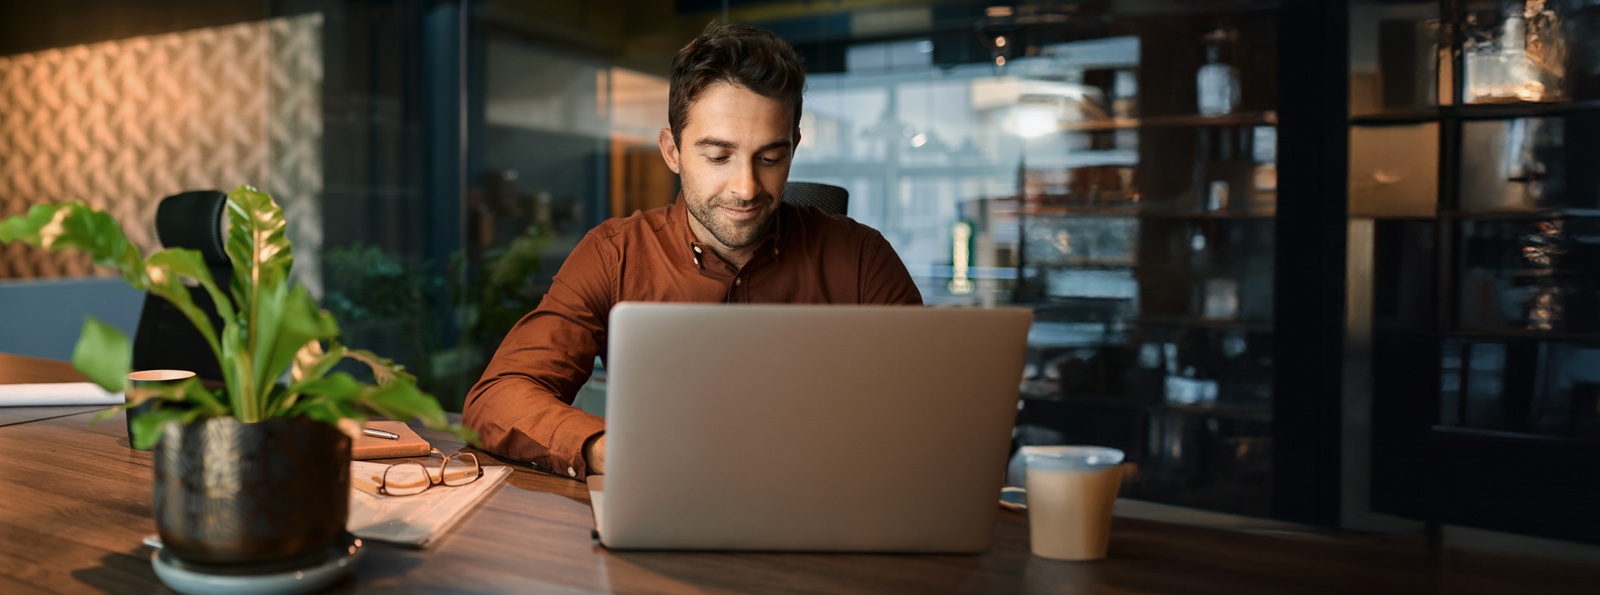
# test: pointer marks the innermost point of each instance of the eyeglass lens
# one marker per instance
(461, 470)
(405, 479)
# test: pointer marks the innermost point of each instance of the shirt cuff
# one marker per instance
(566, 452)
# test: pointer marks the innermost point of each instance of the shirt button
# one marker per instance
(572, 472)
(697, 250)
(697, 260)
(737, 280)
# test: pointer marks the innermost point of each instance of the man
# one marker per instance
(734, 117)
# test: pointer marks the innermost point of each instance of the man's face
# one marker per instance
(733, 157)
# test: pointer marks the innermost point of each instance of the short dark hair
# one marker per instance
(755, 59)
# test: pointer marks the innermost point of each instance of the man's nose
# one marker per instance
(745, 185)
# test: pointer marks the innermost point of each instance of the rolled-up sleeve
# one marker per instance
(522, 407)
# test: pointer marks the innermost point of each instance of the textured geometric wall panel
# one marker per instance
(121, 124)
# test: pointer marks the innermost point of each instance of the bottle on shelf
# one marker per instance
(1217, 82)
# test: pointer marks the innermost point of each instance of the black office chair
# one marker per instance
(833, 200)
(165, 339)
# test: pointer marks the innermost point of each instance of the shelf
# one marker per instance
(1525, 334)
(1242, 119)
(1039, 393)
(1478, 111)
(1166, 214)
(1146, 210)
(1075, 210)
(1199, 322)
(1519, 215)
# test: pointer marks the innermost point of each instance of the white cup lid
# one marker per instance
(1071, 458)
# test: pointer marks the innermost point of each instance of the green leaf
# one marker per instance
(256, 245)
(384, 370)
(338, 386)
(312, 362)
(103, 354)
(402, 401)
(148, 427)
(189, 263)
(301, 323)
(328, 411)
(73, 226)
(162, 279)
(189, 391)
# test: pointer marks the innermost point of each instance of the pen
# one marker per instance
(376, 433)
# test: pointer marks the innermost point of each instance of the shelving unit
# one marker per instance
(1165, 267)
(1485, 307)
(1268, 118)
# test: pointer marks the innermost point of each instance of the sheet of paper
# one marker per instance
(414, 520)
(63, 393)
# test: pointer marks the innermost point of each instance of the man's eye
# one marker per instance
(722, 159)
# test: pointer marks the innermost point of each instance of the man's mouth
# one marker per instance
(740, 214)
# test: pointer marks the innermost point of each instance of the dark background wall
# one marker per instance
(33, 26)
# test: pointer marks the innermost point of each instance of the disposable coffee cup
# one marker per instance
(147, 378)
(1071, 491)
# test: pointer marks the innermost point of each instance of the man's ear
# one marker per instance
(669, 150)
(796, 141)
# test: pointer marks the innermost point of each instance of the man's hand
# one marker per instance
(594, 452)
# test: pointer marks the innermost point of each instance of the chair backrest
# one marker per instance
(166, 339)
(833, 200)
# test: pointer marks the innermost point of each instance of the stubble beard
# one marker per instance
(728, 233)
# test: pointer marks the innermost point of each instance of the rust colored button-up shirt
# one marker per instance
(522, 407)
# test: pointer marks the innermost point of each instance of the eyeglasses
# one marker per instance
(411, 477)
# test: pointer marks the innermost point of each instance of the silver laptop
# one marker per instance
(807, 428)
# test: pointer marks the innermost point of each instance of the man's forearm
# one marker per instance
(518, 419)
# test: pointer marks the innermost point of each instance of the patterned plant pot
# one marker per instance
(234, 493)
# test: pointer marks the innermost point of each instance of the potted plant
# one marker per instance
(259, 471)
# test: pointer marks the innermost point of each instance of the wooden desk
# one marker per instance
(75, 503)
(21, 369)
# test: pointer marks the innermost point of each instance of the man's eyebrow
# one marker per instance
(730, 145)
(777, 144)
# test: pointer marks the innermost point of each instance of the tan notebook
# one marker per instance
(365, 448)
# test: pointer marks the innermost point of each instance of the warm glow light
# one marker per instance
(1000, 61)
(1000, 41)
(997, 11)
(961, 259)
(1034, 122)
(919, 140)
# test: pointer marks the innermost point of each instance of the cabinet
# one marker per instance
(1485, 276)
(1149, 263)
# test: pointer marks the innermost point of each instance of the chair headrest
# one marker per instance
(193, 220)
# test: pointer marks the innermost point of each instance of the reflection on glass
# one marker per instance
(1394, 171)
(1395, 56)
(1531, 274)
(1517, 165)
(1515, 52)
(1558, 393)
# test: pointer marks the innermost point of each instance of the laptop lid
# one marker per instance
(808, 428)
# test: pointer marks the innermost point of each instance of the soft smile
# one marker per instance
(736, 214)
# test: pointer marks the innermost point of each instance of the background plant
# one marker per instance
(272, 328)
(389, 301)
